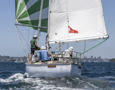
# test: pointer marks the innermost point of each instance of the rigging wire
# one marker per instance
(84, 47)
(21, 38)
(80, 54)
(28, 35)
(2, 52)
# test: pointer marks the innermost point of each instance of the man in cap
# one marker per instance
(34, 46)
(68, 52)
(43, 54)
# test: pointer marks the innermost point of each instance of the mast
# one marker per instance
(40, 19)
(48, 45)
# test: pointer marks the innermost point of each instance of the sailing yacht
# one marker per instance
(64, 21)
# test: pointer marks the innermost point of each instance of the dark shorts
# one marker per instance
(33, 50)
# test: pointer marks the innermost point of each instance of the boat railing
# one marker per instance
(65, 58)
(59, 57)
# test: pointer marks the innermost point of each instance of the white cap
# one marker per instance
(35, 36)
(43, 47)
(71, 48)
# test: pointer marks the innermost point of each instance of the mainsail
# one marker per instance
(67, 20)
(27, 13)
(75, 20)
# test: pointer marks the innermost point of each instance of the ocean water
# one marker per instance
(95, 76)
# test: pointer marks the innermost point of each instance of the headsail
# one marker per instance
(27, 13)
(83, 17)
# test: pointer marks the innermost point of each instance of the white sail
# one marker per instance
(75, 20)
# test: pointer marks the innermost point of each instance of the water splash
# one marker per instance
(23, 81)
(12, 80)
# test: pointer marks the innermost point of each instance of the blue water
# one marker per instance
(95, 76)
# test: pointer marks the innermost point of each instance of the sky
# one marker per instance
(11, 46)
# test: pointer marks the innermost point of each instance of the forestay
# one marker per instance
(27, 13)
(75, 20)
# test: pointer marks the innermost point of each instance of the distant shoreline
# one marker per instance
(23, 59)
(12, 59)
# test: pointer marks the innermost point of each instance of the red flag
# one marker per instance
(72, 30)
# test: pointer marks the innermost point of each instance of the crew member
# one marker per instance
(34, 46)
(43, 54)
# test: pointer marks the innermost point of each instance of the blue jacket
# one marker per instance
(43, 54)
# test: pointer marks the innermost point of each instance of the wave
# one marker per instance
(12, 80)
(23, 81)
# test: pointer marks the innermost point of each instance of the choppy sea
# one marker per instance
(95, 76)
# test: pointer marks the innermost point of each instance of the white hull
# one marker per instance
(51, 70)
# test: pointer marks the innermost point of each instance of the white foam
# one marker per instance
(46, 84)
(13, 79)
